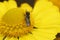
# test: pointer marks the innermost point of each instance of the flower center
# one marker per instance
(13, 23)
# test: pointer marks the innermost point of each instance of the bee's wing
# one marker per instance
(46, 18)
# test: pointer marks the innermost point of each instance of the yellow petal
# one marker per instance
(2, 9)
(45, 17)
(12, 38)
(26, 6)
(28, 37)
(45, 14)
(44, 34)
(5, 6)
(11, 4)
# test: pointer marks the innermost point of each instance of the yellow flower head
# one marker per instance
(16, 21)
(13, 19)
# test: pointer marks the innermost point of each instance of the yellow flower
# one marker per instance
(44, 16)
(13, 20)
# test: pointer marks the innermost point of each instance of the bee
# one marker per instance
(27, 15)
(27, 18)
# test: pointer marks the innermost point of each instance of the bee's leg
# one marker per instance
(18, 38)
(4, 37)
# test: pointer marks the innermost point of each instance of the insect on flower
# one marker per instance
(13, 27)
(18, 19)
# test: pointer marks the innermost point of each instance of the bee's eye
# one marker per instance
(30, 2)
(28, 18)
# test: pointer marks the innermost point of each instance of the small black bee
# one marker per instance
(27, 18)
